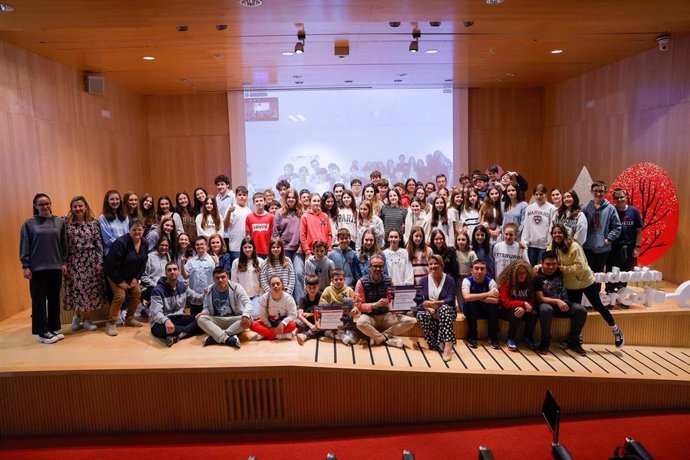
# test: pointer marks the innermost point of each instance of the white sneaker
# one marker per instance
(58, 334)
(329, 335)
(75, 323)
(120, 319)
(89, 326)
(111, 329)
(47, 337)
(348, 338)
(301, 338)
(395, 342)
(287, 336)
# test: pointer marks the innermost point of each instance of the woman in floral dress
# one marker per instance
(84, 286)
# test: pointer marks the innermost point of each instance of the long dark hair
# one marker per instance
(333, 212)
(125, 203)
(444, 249)
(439, 217)
(182, 210)
(149, 216)
(158, 207)
(282, 260)
(108, 211)
(243, 259)
(199, 205)
(519, 195)
(563, 210)
(486, 245)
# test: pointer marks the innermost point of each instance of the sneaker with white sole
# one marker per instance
(619, 338)
(233, 341)
(58, 334)
(47, 337)
(395, 342)
(348, 338)
(111, 329)
(75, 323)
(301, 338)
(512, 346)
(131, 322)
(89, 326)
(286, 336)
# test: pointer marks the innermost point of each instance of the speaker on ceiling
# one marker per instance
(94, 84)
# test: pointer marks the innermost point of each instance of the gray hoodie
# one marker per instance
(602, 224)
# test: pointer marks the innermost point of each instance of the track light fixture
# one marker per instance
(299, 46)
(414, 44)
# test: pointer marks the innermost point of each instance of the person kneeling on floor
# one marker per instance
(371, 300)
(168, 300)
(227, 311)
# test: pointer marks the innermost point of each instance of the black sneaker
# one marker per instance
(577, 348)
(530, 343)
(171, 340)
(620, 339)
(209, 341)
(494, 344)
(233, 341)
(47, 337)
(472, 343)
(543, 349)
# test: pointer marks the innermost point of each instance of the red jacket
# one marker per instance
(314, 227)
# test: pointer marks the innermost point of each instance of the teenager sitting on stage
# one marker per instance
(227, 311)
(340, 294)
(168, 300)
(277, 313)
(480, 295)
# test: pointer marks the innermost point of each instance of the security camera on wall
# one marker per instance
(664, 41)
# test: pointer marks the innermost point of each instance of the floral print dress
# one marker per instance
(84, 288)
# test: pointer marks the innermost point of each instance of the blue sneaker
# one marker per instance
(512, 346)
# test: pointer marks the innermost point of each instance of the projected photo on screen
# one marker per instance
(315, 139)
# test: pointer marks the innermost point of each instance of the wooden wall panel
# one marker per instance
(505, 127)
(188, 141)
(635, 110)
(54, 140)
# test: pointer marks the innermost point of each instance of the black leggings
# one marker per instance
(592, 293)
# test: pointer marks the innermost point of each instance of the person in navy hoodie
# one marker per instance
(168, 300)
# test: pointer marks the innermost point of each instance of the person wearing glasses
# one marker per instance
(603, 228)
(43, 253)
(376, 319)
(626, 249)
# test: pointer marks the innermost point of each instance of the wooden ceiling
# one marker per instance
(508, 45)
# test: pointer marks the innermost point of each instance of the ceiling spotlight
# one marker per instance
(493, 2)
(394, 24)
(8, 8)
(299, 46)
(435, 23)
(348, 81)
(414, 44)
(556, 51)
(468, 23)
(149, 58)
(397, 80)
(182, 28)
(221, 26)
(250, 3)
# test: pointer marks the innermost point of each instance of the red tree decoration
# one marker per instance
(651, 191)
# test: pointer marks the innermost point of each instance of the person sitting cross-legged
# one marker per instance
(277, 313)
(168, 301)
(376, 320)
(340, 294)
(227, 311)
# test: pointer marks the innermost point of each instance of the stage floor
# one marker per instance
(137, 349)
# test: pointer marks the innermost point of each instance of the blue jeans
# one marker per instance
(298, 265)
(534, 255)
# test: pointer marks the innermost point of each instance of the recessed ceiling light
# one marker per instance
(449, 80)
(296, 77)
(299, 82)
(182, 28)
(493, 2)
(149, 58)
(402, 75)
(397, 81)
(431, 51)
(348, 81)
(510, 75)
(185, 80)
(6, 8)
(251, 3)
(556, 51)
(287, 53)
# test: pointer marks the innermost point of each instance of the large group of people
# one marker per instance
(217, 265)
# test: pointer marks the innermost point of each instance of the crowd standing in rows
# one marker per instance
(216, 264)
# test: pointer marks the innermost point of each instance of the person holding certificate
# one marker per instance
(436, 311)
